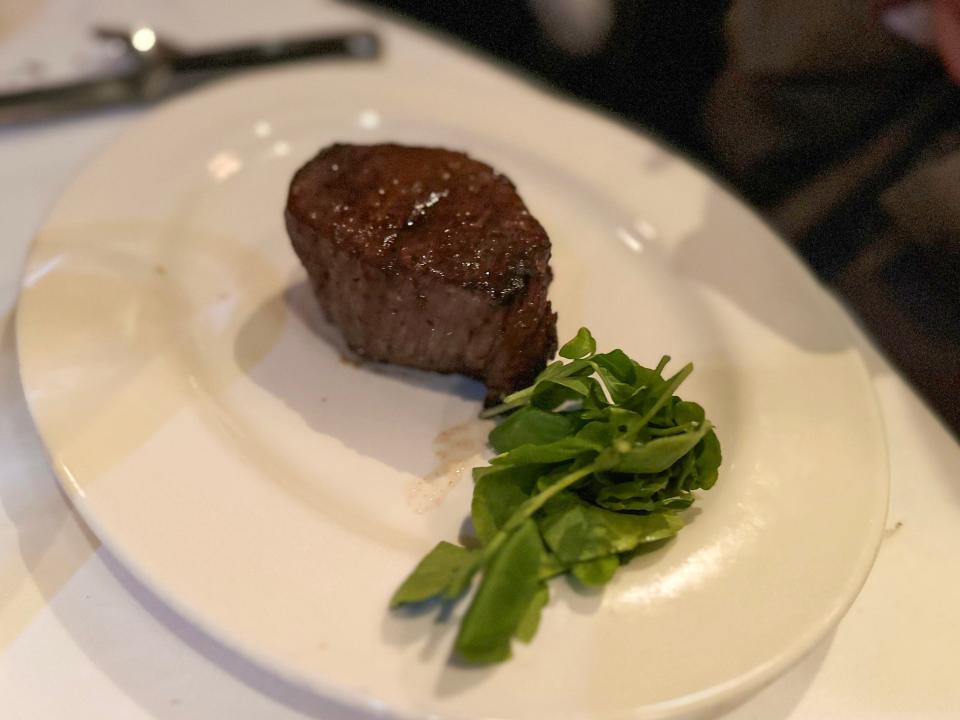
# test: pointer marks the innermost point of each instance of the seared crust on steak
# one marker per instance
(427, 258)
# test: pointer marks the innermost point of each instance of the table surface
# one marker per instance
(81, 638)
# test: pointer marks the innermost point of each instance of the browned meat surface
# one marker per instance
(427, 258)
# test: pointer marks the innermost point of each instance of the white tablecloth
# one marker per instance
(81, 638)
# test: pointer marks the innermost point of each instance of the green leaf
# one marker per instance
(616, 362)
(685, 412)
(541, 394)
(659, 454)
(530, 426)
(644, 549)
(645, 377)
(600, 433)
(581, 346)
(553, 389)
(579, 385)
(531, 617)
(709, 458)
(548, 372)
(642, 488)
(675, 503)
(596, 401)
(619, 391)
(463, 576)
(498, 494)
(617, 417)
(629, 504)
(598, 571)
(654, 431)
(550, 395)
(575, 368)
(509, 584)
(684, 475)
(567, 448)
(432, 577)
(550, 565)
(662, 399)
(549, 478)
(577, 531)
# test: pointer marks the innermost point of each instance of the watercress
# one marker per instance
(596, 460)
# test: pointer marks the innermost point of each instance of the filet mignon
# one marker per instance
(427, 258)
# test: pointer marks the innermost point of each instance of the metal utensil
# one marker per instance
(157, 69)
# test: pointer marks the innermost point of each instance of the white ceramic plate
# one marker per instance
(205, 423)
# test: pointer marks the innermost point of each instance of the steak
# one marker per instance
(427, 258)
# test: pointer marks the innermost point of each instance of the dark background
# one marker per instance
(655, 67)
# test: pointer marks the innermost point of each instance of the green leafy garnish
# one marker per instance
(509, 587)
(596, 460)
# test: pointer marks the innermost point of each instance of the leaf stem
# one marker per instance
(524, 396)
(530, 506)
(667, 393)
(504, 407)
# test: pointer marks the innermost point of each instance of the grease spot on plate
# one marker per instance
(458, 450)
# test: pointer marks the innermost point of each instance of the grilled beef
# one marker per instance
(427, 258)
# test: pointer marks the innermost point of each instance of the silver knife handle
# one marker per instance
(352, 45)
